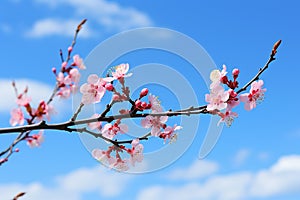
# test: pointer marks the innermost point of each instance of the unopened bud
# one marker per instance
(64, 65)
(144, 92)
(109, 86)
(144, 104)
(17, 150)
(54, 70)
(235, 72)
(70, 49)
(138, 103)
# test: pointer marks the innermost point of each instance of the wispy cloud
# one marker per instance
(281, 178)
(107, 15)
(37, 91)
(97, 180)
(199, 169)
(60, 27)
(241, 157)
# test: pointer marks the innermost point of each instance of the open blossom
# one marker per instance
(227, 117)
(78, 62)
(109, 130)
(36, 140)
(256, 95)
(233, 100)
(17, 117)
(155, 103)
(23, 100)
(121, 71)
(44, 111)
(93, 91)
(136, 152)
(217, 99)
(103, 156)
(216, 76)
(155, 123)
(120, 165)
(169, 132)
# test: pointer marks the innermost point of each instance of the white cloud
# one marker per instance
(110, 16)
(49, 26)
(37, 91)
(73, 186)
(241, 156)
(199, 169)
(281, 178)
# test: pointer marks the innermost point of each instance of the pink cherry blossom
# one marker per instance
(168, 132)
(256, 95)
(136, 152)
(233, 100)
(155, 123)
(227, 117)
(64, 92)
(93, 91)
(121, 71)
(63, 80)
(103, 156)
(23, 100)
(217, 99)
(78, 62)
(17, 117)
(36, 140)
(94, 125)
(74, 75)
(216, 76)
(109, 130)
(44, 111)
(155, 103)
(120, 165)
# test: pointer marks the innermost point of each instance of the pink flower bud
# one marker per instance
(70, 49)
(17, 150)
(144, 104)
(54, 70)
(138, 103)
(64, 65)
(116, 97)
(235, 72)
(109, 86)
(144, 92)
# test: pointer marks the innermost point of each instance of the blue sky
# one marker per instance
(258, 157)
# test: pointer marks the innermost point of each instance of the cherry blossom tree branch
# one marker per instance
(261, 70)
(134, 112)
(68, 124)
(23, 134)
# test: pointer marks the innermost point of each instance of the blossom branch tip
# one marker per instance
(275, 47)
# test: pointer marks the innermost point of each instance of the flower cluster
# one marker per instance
(220, 99)
(115, 161)
(94, 90)
(66, 83)
(68, 76)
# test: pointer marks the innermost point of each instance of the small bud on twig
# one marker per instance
(80, 25)
(276, 45)
(19, 195)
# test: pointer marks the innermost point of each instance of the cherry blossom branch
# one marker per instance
(23, 135)
(261, 70)
(188, 111)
